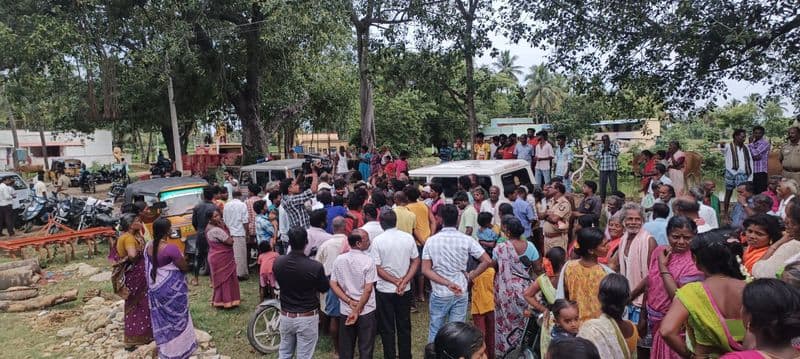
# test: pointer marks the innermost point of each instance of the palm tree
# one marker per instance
(546, 91)
(505, 65)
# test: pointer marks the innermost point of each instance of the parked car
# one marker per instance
(272, 171)
(502, 173)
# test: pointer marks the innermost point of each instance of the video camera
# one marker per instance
(317, 163)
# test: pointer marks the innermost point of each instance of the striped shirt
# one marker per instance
(352, 271)
(607, 160)
(759, 152)
(449, 250)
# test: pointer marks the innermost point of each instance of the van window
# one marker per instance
(277, 175)
(261, 178)
(515, 179)
(417, 181)
(485, 182)
(449, 185)
(244, 178)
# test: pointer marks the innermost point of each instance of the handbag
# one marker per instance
(118, 279)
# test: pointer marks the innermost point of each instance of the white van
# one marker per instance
(505, 174)
(272, 171)
(22, 191)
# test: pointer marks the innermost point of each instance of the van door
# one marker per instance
(512, 180)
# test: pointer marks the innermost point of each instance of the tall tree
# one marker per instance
(546, 92)
(506, 65)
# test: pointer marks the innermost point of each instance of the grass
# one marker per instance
(26, 337)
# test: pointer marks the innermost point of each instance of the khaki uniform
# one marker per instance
(790, 161)
(554, 237)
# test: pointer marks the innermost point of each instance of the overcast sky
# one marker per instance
(528, 56)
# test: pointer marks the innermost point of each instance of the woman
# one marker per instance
(671, 267)
(580, 278)
(648, 171)
(169, 295)
(509, 284)
(223, 267)
(711, 309)
(675, 161)
(786, 190)
(771, 314)
(615, 232)
(130, 245)
(613, 336)
(782, 251)
(363, 162)
(760, 231)
(457, 340)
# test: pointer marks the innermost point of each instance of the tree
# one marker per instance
(685, 49)
(546, 92)
(506, 65)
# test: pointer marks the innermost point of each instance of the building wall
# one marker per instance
(89, 148)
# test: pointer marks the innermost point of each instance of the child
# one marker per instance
(546, 285)
(266, 259)
(487, 236)
(565, 314)
(482, 307)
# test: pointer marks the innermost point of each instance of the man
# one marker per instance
(523, 210)
(762, 204)
(705, 212)
(744, 202)
(790, 155)
(613, 205)
(63, 182)
(564, 157)
(658, 225)
(334, 208)
(397, 260)
(372, 226)
(355, 212)
(424, 223)
(235, 216)
(544, 154)
(523, 151)
(445, 152)
(264, 230)
(460, 152)
(7, 205)
(663, 175)
(482, 150)
(738, 165)
(711, 198)
(316, 233)
(634, 254)
(590, 204)
(352, 279)
(468, 222)
(39, 187)
(688, 207)
(444, 260)
(759, 150)
(406, 220)
(200, 215)
(294, 201)
(556, 220)
(326, 254)
(301, 279)
(435, 196)
(493, 146)
(492, 204)
(254, 195)
(230, 183)
(607, 164)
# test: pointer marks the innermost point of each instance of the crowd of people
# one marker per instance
(673, 275)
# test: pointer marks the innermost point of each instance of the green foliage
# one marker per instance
(400, 122)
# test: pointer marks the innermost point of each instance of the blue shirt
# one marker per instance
(523, 152)
(445, 154)
(738, 213)
(658, 228)
(333, 212)
(264, 228)
(487, 235)
(525, 213)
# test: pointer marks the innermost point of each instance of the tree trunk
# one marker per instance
(16, 277)
(19, 293)
(469, 54)
(365, 88)
(149, 147)
(33, 263)
(246, 101)
(40, 302)
(44, 150)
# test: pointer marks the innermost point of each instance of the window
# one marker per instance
(262, 178)
(515, 179)
(244, 178)
(277, 175)
(52, 151)
(449, 185)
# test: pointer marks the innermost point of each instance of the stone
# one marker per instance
(144, 350)
(202, 336)
(224, 357)
(211, 351)
(67, 332)
(120, 354)
(101, 277)
(65, 344)
(85, 270)
(99, 322)
(119, 317)
(96, 301)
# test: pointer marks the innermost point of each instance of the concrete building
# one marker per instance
(89, 148)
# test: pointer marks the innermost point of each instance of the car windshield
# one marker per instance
(181, 201)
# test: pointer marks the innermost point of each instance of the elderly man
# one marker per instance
(327, 254)
(613, 205)
(786, 190)
(744, 203)
(689, 207)
(352, 280)
(236, 219)
(790, 155)
(492, 204)
(634, 254)
(556, 220)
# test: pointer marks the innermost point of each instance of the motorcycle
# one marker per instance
(117, 189)
(96, 213)
(68, 213)
(37, 212)
(160, 168)
(88, 183)
(263, 329)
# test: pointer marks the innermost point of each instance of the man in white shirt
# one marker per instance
(235, 216)
(317, 235)
(372, 226)
(707, 213)
(468, 223)
(39, 187)
(326, 254)
(663, 176)
(6, 205)
(397, 259)
(492, 204)
(444, 260)
(738, 166)
(543, 154)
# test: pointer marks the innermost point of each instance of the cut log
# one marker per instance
(19, 293)
(39, 302)
(16, 277)
(33, 263)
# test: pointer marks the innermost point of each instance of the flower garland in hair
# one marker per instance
(747, 276)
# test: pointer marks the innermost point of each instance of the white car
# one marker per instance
(22, 191)
(502, 173)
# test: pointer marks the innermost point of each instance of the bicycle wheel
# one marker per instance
(263, 329)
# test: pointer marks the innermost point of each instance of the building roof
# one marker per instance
(275, 165)
(460, 168)
(623, 121)
(317, 137)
